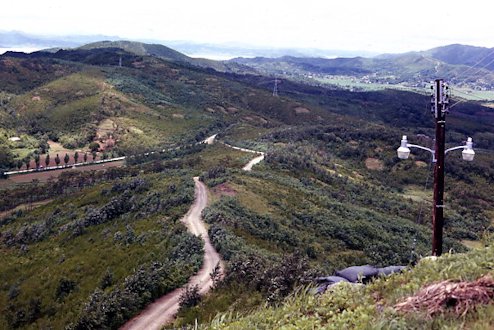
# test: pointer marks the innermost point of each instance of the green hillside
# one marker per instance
(115, 245)
(141, 49)
(316, 205)
(166, 53)
(330, 193)
(373, 306)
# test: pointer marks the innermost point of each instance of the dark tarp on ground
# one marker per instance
(331, 279)
(358, 273)
(390, 270)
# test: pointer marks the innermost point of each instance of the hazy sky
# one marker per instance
(372, 25)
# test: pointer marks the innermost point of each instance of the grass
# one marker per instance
(371, 307)
(351, 83)
(417, 194)
(474, 95)
(472, 244)
(220, 155)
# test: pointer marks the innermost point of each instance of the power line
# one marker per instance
(470, 67)
(484, 67)
(465, 100)
(429, 171)
(466, 94)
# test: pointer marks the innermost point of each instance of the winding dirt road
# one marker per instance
(163, 310)
(253, 162)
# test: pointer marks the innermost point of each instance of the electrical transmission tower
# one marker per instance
(275, 88)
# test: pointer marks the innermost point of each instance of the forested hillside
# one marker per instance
(330, 192)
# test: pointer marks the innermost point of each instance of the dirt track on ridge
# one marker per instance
(163, 310)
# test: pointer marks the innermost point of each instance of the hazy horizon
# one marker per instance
(214, 51)
(377, 27)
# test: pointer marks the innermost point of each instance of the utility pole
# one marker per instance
(440, 105)
(440, 109)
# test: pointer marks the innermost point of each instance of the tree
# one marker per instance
(76, 157)
(105, 155)
(6, 156)
(66, 159)
(36, 160)
(19, 164)
(27, 160)
(94, 146)
(190, 296)
(85, 157)
(94, 155)
(57, 160)
(107, 280)
(216, 275)
(65, 287)
(47, 160)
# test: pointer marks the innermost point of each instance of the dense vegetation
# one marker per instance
(313, 207)
(97, 256)
(330, 193)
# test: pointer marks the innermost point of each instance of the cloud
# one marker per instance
(379, 25)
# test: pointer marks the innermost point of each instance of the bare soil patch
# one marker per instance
(224, 189)
(106, 127)
(299, 110)
(374, 164)
(57, 148)
(420, 163)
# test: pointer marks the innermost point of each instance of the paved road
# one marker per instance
(163, 310)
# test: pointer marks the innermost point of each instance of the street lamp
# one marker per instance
(467, 154)
(440, 103)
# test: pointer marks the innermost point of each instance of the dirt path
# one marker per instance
(25, 206)
(253, 162)
(163, 310)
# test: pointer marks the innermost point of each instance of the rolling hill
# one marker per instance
(408, 69)
(166, 53)
(331, 193)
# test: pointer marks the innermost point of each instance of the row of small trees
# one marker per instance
(37, 159)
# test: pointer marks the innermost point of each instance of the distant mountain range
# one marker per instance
(465, 66)
(16, 39)
(21, 40)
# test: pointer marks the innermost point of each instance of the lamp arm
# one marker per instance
(454, 148)
(420, 147)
